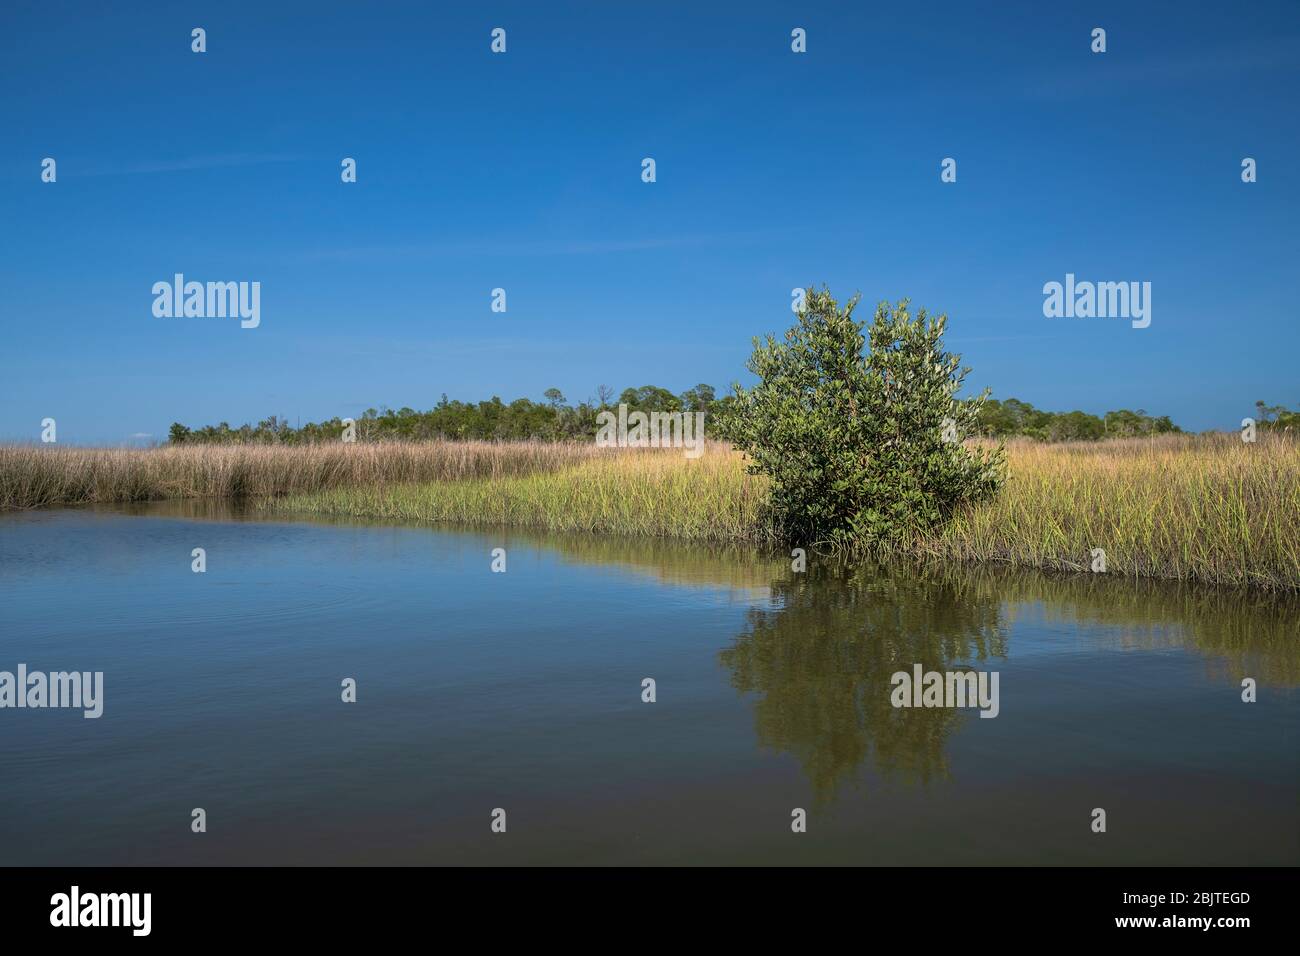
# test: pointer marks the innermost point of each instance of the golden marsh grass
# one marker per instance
(1209, 508)
(35, 476)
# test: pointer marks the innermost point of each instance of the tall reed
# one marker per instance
(1210, 508)
(34, 476)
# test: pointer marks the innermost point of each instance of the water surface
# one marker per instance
(522, 690)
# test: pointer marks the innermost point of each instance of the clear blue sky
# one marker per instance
(522, 171)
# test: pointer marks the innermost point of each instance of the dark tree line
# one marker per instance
(554, 419)
(1014, 418)
(550, 420)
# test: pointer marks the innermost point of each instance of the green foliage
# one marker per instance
(1277, 418)
(494, 420)
(1020, 419)
(699, 399)
(554, 420)
(861, 450)
(650, 398)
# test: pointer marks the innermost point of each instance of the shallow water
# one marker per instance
(522, 691)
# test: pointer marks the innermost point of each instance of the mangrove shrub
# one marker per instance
(861, 435)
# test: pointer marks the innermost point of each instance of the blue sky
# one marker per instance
(522, 171)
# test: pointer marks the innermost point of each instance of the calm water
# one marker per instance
(523, 691)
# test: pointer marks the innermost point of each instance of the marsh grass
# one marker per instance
(1206, 508)
(1197, 508)
(34, 476)
(642, 492)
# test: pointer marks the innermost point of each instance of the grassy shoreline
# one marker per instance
(38, 476)
(636, 492)
(1197, 508)
(1200, 508)
(1209, 509)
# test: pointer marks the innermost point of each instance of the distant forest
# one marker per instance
(553, 419)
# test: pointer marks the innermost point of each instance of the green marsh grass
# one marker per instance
(1197, 508)
(642, 492)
